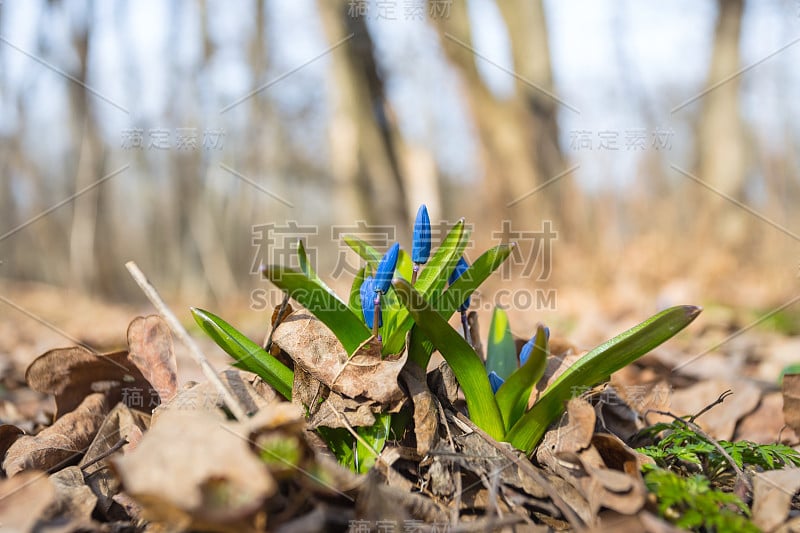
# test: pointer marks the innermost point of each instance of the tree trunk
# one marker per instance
(366, 145)
(721, 140)
(90, 168)
(518, 135)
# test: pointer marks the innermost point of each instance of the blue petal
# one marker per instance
(495, 381)
(460, 268)
(385, 272)
(367, 293)
(526, 351)
(421, 245)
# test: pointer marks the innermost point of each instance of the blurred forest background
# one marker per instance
(659, 139)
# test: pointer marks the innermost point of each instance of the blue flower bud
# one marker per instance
(367, 292)
(421, 245)
(383, 276)
(495, 381)
(526, 351)
(460, 268)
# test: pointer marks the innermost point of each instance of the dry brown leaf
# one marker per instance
(601, 467)
(330, 409)
(336, 409)
(121, 423)
(618, 469)
(443, 384)
(70, 374)
(720, 421)
(61, 444)
(791, 401)
(281, 415)
(23, 499)
(766, 423)
(379, 502)
(280, 427)
(313, 346)
(792, 525)
(426, 422)
(8, 436)
(615, 415)
(129, 507)
(193, 470)
(150, 347)
(573, 433)
(772, 496)
(642, 522)
(73, 499)
(618, 455)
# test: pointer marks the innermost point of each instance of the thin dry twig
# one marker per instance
(111, 451)
(150, 291)
(711, 405)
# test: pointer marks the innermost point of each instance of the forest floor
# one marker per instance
(82, 453)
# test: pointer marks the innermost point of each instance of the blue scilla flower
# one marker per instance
(495, 381)
(527, 349)
(460, 268)
(421, 245)
(385, 271)
(367, 292)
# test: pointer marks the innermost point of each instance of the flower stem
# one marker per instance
(414, 273)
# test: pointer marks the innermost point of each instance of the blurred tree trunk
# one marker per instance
(365, 143)
(518, 135)
(202, 240)
(722, 156)
(91, 165)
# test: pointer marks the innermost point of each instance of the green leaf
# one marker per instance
(459, 291)
(364, 250)
(512, 398)
(249, 355)
(596, 366)
(404, 265)
(430, 282)
(351, 453)
(433, 277)
(501, 350)
(341, 443)
(419, 347)
(323, 303)
(375, 436)
(355, 294)
(467, 366)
